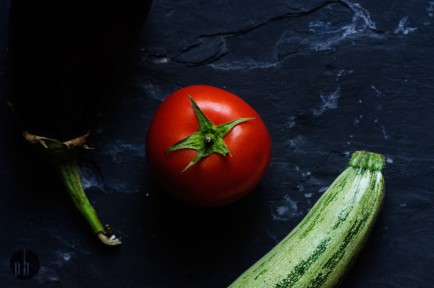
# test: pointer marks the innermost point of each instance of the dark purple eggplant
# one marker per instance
(62, 55)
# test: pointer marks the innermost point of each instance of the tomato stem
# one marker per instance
(209, 138)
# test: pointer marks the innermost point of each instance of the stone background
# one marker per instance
(328, 78)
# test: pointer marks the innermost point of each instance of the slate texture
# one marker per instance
(328, 78)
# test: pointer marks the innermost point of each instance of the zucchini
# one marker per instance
(320, 249)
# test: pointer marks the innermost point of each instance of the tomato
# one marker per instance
(216, 166)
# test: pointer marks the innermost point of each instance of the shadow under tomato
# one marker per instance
(196, 239)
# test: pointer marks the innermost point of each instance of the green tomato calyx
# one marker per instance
(209, 138)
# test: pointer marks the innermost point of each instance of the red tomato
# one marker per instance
(216, 179)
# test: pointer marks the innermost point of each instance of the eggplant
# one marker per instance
(62, 55)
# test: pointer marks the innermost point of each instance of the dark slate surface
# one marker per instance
(328, 78)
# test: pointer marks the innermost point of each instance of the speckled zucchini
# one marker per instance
(322, 247)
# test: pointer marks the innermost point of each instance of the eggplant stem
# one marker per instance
(71, 178)
(64, 157)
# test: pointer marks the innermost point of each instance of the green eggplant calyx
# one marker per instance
(209, 138)
(73, 143)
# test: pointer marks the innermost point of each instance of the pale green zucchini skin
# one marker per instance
(322, 247)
